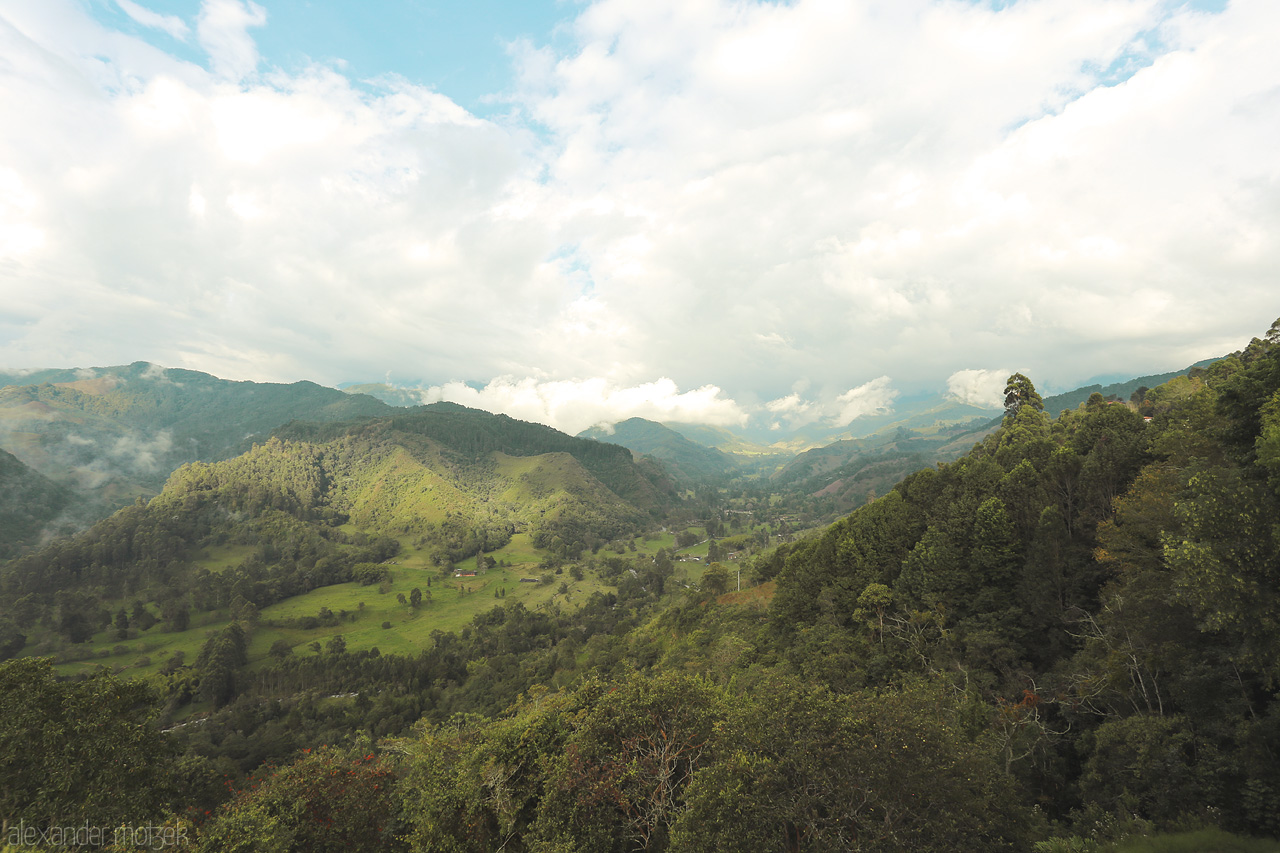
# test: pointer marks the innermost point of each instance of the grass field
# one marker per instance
(453, 602)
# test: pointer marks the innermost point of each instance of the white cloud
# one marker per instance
(574, 405)
(735, 195)
(223, 31)
(981, 388)
(18, 204)
(873, 398)
(792, 410)
(790, 404)
(136, 452)
(171, 24)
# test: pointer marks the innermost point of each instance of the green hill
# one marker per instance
(687, 460)
(449, 483)
(390, 394)
(1118, 390)
(471, 433)
(112, 434)
(30, 506)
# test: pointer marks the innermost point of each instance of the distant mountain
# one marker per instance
(113, 433)
(686, 460)
(30, 506)
(850, 471)
(316, 499)
(1124, 390)
(470, 433)
(928, 413)
(389, 394)
(725, 440)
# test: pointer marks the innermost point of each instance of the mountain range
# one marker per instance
(1067, 631)
(86, 441)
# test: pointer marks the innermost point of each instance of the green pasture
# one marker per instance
(219, 558)
(156, 645)
(453, 603)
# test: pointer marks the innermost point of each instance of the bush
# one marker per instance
(1195, 842)
(324, 801)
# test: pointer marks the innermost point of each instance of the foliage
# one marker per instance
(78, 752)
(1067, 636)
(803, 769)
(327, 800)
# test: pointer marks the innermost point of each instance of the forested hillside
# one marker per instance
(455, 482)
(687, 461)
(1064, 639)
(111, 434)
(30, 506)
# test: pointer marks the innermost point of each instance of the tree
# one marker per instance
(11, 639)
(473, 787)
(805, 769)
(715, 580)
(141, 617)
(324, 801)
(1019, 392)
(619, 783)
(415, 598)
(220, 657)
(1147, 766)
(78, 751)
(872, 603)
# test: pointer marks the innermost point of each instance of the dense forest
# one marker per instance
(1066, 639)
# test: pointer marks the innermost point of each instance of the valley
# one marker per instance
(1013, 630)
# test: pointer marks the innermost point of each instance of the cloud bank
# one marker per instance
(981, 388)
(735, 196)
(574, 405)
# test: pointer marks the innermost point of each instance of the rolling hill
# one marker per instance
(112, 434)
(687, 460)
(31, 506)
(306, 508)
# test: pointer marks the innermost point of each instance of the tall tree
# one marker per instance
(1019, 392)
(78, 752)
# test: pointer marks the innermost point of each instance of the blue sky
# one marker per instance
(459, 48)
(703, 210)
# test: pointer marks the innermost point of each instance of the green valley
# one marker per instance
(1060, 637)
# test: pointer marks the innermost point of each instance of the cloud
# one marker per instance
(873, 398)
(574, 405)
(790, 404)
(159, 375)
(909, 185)
(792, 410)
(137, 453)
(171, 24)
(223, 31)
(981, 388)
(734, 195)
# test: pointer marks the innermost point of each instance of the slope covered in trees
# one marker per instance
(1071, 632)
(111, 434)
(459, 483)
(687, 460)
(30, 506)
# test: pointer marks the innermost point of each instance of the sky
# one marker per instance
(688, 210)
